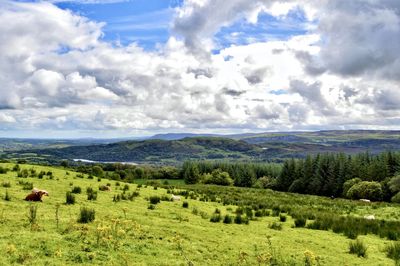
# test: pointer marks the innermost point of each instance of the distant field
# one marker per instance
(128, 233)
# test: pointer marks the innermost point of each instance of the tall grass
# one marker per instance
(358, 247)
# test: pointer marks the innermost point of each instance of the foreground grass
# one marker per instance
(128, 233)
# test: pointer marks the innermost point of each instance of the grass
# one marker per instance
(127, 232)
(358, 247)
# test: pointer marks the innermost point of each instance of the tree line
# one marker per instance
(374, 177)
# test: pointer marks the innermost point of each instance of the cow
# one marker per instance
(175, 198)
(36, 195)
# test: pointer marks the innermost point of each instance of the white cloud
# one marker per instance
(59, 74)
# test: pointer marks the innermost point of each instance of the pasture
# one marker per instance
(128, 230)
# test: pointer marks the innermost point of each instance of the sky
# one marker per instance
(129, 68)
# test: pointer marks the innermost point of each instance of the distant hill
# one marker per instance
(257, 147)
(178, 136)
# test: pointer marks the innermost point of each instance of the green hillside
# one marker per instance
(247, 147)
(127, 232)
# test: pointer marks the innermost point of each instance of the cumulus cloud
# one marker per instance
(58, 73)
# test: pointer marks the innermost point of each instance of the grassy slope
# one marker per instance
(151, 237)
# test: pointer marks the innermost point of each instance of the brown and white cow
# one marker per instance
(36, 195)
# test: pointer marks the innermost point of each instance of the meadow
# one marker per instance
(136, 224)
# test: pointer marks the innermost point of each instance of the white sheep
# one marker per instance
(175, 198)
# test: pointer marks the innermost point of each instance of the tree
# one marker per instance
(97, 171)
(64, 163)
(191, 173)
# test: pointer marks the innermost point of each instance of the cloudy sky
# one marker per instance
(114, 68)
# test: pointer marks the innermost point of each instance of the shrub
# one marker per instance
(154, 199)
(227, 219)
(300, 222)
(366, 190)
(215, 218)
(70, 198)
(185, 204)
(76, 190)
(117, 198)
(151, 207)
(7, 196)
(195, 211)
(5, 184)
(275, 226)
(16, 168)
(126, 187)
(348, 184)
(240, 220)
(282, 218)
(358, 247)
(41, 174)
(26, 185)
(3, 170)
(32, 215)
(259, 213)
(91, 193)
(165, 198)
(86, 215)
(393, 251)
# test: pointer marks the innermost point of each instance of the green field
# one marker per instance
(128, 233)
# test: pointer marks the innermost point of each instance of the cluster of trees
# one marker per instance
(128, 173)
(241, 174)
(373, 177)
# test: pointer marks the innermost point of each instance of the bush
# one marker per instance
(70, 198)
(126, 187)
(7, 196)
(275, 226)
(215, 218)
(366, 190)
(154, 199)
(5, 184)
(358, 247)
(91, 193)
(282, 218)
(86, 215)
(185, 204)
(393, 251)
(3, 170)
(26, 185)
(348, 184)
(76, 190)
(227, 219)
(151, 207)
(240, 220)
(300, 222)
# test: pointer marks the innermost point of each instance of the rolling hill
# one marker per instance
(176, 148)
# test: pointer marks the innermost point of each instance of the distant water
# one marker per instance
(90, 161)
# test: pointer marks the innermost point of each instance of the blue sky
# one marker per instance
(145, 22)
(148, 23)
